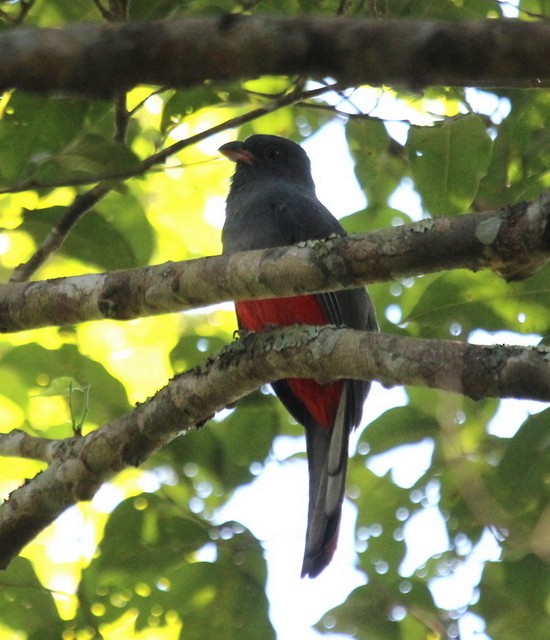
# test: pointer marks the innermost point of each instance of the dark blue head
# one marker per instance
(263, 157)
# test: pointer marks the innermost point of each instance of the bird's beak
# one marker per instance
(234, 151)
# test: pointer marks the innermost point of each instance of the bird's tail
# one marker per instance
(327, 455)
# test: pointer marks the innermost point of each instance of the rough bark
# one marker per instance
(94, 59)
(514, 242)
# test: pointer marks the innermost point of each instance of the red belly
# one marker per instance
(321, 400)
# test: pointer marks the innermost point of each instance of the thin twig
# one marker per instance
(283, 101)
(105, 13)
(122, 118)
(55, 238)
(26, 6)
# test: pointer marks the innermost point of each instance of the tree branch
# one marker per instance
(514, 242)
(324, 353)
(103, 60)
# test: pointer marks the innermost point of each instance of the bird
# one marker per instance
(272, 203)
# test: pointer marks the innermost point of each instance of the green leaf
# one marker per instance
(513, 597)
(226, 598)
(193, 349)
(163, 536)
(183, 103)
(33, 130)
(90, 156)
(13, 386)
(32, 362)
(448, 162)
(482, 300)
(380, 163)
(464, 299)
(519, 166)
(369, 219)
(126, 215)
(522, 473)
(146, 561)
(399, 426)
(226, 451)
(92, 240)
(528, 305)
(368, 611)
(378, 501)
(25, 605)
(56, 12)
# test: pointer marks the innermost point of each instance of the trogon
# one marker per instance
(272, 203)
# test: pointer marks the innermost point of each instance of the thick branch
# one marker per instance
(324, 353)
(102, 60)
(513, 242)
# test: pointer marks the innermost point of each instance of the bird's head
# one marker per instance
(269, 158)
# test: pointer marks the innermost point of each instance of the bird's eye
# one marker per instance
(271, 153)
